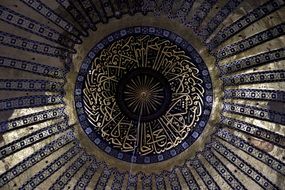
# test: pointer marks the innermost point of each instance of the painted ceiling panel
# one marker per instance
(151, 94)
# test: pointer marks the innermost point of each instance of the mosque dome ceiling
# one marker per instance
(150, 94)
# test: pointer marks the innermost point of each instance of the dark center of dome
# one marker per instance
(143, 94)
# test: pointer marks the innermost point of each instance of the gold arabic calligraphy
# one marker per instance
(163, 133)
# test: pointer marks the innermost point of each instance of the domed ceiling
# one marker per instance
(142, 94)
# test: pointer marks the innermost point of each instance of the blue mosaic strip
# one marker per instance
(118, 180)
(184, 11)
(245, 21)
(208, 180)
(146, 182)
(254, 112)
(243, 166)
(90, 11)
(174, 181)
(67, 175)
(49, 14)
(132, 182)
(36, 157)
(33, 46)
(11, 17)
(32, 67)
(159, 182)
(148, 6)
(201, 13)
(251, 42)
(254, 131)
(224, 172)
(32, 138)
(255, 152)
(255, 94)
(189, 178)
(30, 102)
(253, 61)
(31, 85)
(256, 77)
(216, 20)
(45, 173)
(31, 119)
(81, 19)
(86, 177)
(104, 178)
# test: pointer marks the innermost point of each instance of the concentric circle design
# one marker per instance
(43, 45)
(143, 94)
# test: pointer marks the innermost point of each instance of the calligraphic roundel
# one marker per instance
(143, 95)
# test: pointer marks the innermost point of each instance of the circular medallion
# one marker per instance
(143, 95)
